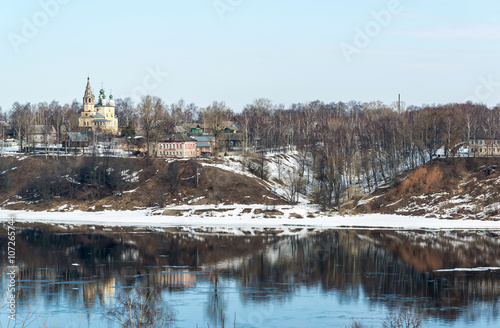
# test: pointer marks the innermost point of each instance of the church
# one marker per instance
(98, 117)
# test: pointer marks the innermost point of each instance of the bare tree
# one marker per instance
(295, 184)
(125, 111)
(70, 116)
(57, 114)
(150, 112)
(213, 117)
(21, 119)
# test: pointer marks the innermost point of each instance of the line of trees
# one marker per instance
(344, 148)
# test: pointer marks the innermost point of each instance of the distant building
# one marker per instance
(484, 144)
(4, 125)
(43, 134)
(231, 141)
(204, 144)
(75, 140)
(98, 117)
(177, 146)
(190, 129)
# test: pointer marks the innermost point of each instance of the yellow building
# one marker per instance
(101, 116)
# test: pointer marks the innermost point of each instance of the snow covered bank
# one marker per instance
(234, 217)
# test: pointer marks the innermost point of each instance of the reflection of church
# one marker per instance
(98, 117)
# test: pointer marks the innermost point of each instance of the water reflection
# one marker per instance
(389, 268)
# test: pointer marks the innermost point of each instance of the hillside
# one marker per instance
(99, 183)
(459, 188)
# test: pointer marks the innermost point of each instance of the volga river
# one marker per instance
(200, 279)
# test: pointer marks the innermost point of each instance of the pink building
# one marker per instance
(177, 146)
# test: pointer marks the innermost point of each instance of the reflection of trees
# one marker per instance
(104, 260)
(388, 265)
(216, 304)
(344, 259)
(140, 308)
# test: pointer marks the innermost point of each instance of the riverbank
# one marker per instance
(242, 219)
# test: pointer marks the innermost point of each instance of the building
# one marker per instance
(100, 116)
(484, 144)
(484, 147)
(177, 146)
(75, 140)
(43, 134)
(204, 144)
(231, 141)
(4, 129)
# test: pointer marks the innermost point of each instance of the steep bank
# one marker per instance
(460, 188)
(98, 183)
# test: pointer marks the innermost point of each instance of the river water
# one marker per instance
(255, 279)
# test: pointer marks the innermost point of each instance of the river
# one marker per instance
(306, 278)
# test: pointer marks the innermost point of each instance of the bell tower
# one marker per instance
(88, 98)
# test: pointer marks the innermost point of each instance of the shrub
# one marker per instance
(140, 308)
(404, 319)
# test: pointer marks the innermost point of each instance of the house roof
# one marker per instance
(77, 136)
(178, 137)
(188, 126)
(203, 144)
(203, 138)
(232, 137)
(39, 129)
(179, 129)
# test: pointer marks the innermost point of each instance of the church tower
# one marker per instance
(88, 98)
(100, 116)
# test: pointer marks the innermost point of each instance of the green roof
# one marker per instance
(77, 136)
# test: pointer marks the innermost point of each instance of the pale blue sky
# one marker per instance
(286, 50)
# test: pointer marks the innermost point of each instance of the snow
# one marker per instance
(469, 269)
(232, 219)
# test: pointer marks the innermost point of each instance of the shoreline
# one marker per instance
(234, 218)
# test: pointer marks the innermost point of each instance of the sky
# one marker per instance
(289, 51)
